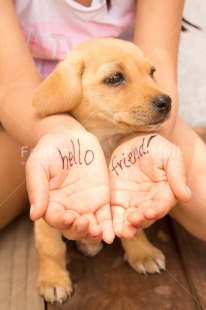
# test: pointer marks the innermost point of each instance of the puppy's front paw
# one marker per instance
(89, 249)
(56, 293)
(142, 255)
(147, 260)
(55, 289)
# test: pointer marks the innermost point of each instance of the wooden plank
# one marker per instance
(106, 282)
(193, 255)
(7, 241)
(18, 267)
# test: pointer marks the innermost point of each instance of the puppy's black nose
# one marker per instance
(162, 103)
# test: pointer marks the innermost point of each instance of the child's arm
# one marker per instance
(18, 82)
(157, 32)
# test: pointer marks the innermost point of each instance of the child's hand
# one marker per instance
(68, 185)
(147, 176)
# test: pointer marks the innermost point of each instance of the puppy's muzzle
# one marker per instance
(162, 103)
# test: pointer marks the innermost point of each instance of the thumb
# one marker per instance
(177, 177)
(38, 189)
(104, 219)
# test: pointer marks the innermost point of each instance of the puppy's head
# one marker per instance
(107, 82)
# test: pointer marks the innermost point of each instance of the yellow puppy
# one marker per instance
(108, 86)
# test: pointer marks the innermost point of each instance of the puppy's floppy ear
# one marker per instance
(62, 90)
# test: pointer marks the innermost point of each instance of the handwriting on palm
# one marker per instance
(142, 186)
(142, 179)
(72, 179)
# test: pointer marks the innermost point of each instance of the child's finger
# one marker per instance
(104, 219)
(94, 231)
(177, 178)
(128, 229)
(38, 189)
(135, 218)
(59, 218)
(78, 230)
(118, 219)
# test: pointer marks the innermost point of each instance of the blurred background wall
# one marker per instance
(192, 65)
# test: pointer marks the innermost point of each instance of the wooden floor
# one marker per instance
(106, 282)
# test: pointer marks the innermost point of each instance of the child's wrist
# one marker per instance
(60, 123)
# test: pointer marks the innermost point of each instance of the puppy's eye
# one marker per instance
(116, 79)
(152, 71)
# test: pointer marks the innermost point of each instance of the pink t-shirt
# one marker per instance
(52, 28)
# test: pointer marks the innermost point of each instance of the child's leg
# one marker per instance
(192, 215)
(13, 196)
